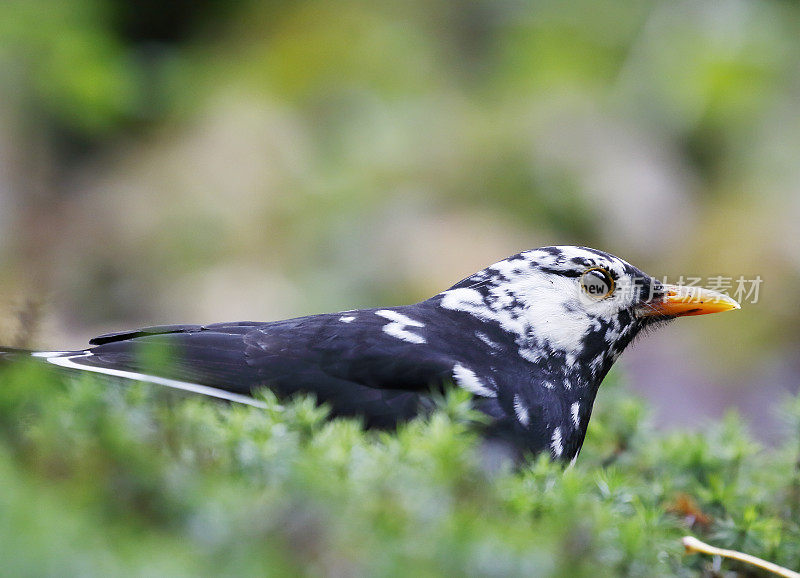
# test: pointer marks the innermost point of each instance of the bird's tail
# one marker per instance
(77, 361)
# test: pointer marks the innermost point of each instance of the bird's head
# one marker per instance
(552, 321)
(574, 309)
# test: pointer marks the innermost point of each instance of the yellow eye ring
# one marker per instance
(597, 283)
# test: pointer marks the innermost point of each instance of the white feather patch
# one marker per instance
(466, 379)
(556, 443)
(398, 325)
(487, 340)
(575, 409)
(347, 318)
(522, 412)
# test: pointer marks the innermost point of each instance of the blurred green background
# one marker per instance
(209, 161)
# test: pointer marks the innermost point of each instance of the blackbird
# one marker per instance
(531, 338)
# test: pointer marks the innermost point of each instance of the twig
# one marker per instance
(692, 545)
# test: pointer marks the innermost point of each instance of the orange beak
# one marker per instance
(680, 300)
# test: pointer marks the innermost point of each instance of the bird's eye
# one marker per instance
(597, 283)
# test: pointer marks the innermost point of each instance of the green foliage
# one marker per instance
(68, 62)
(99, 478)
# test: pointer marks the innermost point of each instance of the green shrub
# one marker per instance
(100, 478)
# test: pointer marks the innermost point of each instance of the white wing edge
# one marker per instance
(65, 359)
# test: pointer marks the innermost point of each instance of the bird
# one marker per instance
(530, 337)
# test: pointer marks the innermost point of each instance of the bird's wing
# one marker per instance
(350, 361)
